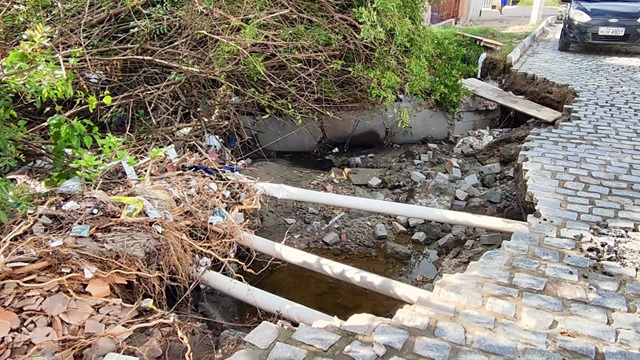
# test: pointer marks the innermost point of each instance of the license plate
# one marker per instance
(611, 31)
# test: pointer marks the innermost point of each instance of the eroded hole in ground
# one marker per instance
(483, 182)
(489, 182)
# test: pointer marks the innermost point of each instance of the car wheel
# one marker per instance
(563, 45)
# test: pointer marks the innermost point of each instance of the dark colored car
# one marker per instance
(600, 22)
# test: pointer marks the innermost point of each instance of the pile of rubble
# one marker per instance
(86, 274)
(477, 175)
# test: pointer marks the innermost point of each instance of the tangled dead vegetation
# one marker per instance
(166, 65)
(82, 274)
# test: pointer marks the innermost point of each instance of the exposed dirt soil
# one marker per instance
(541, 91)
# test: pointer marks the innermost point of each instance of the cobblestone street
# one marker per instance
(539, 297)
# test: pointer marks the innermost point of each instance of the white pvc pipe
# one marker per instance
(263, 300)
(387, 207)
(336, 270)
(480, 62)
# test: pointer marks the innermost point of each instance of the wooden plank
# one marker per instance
(483, 41)
(502, 97)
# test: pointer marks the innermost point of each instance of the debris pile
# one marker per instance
(88, 271)
(478, 174)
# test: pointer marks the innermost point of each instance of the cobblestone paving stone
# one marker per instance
(537, 297)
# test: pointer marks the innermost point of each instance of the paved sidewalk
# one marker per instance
(538, 297)
(514, 19)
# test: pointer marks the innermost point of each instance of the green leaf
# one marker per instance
(88, 141)
(107, 100)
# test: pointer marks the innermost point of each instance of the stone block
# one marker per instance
(419, 237)
(542, 301)
(529, 281)
(451, 332)
(477, 319)
(418, 176)
(331, 238)
(536, 319)
(360, 351)
(410, 319)
(397, 228)
(413, 222)
(363, 324)
(316, 337)
(502, 307)
(587, 328)
(495, 345)
(491, 169)
(576, 345)
(390, 336)
(491, 239)
(431, 348)
(284, 351)
(263, 336)
(375, 182)
(381, 232)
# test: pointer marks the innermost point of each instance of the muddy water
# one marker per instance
(337, 298)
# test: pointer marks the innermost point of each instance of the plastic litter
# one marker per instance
(133, 206)
(71, 206)
(96, 209)
(89, 271)
(150, 210)
(72, 186)
(218, 217)
(80, 231)
(184, 131)
(130, 171)
(335, 218)
(55, 243)
(213, 141)
(172, 154)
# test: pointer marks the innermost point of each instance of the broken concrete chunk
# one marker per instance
(362, 176)
(375, 182)
(469, 244)
(417, 162)
(399, 229)
(381, 232)
(419, 237)
(472, 180)
(442, 177)
(425, 157)
(461, 195)
(491, 239)
(458, 205)
(398, 251)
(458, 230)
(403, 220)
(418, 177)
(313, 211)
(447, 240)
(413, 222)
(456, 174)
(331, 238)
(511, 173)
(491, 169)
(494, 197)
